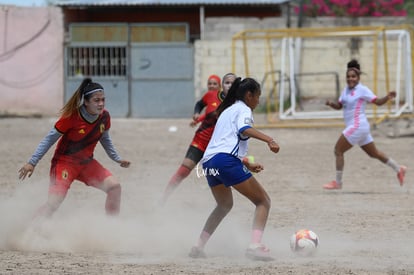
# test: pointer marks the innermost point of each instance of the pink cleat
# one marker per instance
(401, 175)
(332, 185)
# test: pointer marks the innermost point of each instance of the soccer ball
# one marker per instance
(304, 242)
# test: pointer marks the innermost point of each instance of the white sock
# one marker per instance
(391, 163)
(339, 176)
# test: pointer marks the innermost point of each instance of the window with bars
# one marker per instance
(91, 53)
(97, 61)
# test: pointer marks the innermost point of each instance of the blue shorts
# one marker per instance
(225, 169)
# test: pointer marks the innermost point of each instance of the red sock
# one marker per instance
(113, 200)
(178, 177)
(175, 180)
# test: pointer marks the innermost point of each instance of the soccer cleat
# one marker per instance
(197, 253)
(401, 175)
(332, 185)
(258, 252)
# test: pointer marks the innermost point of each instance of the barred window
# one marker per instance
(97, 61)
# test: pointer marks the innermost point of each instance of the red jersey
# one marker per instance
(212, 99)
(79, 137)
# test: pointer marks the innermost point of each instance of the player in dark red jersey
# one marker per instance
(210, 101)
(83, 123)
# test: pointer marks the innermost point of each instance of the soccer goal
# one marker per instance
(301, 68)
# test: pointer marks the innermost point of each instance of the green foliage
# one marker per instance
(409, 7)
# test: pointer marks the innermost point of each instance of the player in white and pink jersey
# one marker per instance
(353, 100)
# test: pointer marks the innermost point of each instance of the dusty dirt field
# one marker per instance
(366, 228)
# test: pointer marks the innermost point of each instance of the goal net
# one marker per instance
(300, 69)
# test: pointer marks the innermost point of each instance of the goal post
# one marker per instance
(301, 68)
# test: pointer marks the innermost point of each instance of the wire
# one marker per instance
(40, 77)
(10, 53)
(36, 80)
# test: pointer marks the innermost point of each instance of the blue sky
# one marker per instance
(27, 3)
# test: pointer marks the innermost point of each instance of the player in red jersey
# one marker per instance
(210, 101)
(83, 123)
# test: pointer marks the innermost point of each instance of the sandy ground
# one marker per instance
(366, 228)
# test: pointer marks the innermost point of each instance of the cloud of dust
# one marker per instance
(143, 228)
(147, 232)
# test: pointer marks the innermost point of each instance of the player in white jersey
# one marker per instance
(353, 100)
(224, 166)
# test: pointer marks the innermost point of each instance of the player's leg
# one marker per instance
(342, 145)
(94, 174)
(53, 202)
(113, 189)
(224, 200)
(373, 152)
(61, 177)
(192, 157)
(252, 190)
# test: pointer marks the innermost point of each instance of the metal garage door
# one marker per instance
(146, 70)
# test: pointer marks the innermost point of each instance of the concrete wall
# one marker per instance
(31, 60)
(214, 54)
(32, 78)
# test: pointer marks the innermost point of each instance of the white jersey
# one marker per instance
(227, 137)
(354, 102)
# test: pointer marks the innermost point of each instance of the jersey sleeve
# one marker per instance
(199, 106)
(107, 144)
(244, 120)
(340, 99)
(368, 95)
(44, 146)
(63, 124)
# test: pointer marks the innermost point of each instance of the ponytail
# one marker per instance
(75, 101)
(238, 91)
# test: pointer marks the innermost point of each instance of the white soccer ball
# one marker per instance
(304, 242)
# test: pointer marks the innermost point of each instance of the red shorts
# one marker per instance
(63, 173)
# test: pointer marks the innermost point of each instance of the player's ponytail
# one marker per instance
(238, 91)
(75, 101)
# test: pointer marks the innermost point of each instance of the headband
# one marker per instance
(94, 90)
(354, 69)
(91, 88)
(216, 78)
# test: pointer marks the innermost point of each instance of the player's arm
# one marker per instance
(198, 108)
(107, 144)
(41, 150)
(252, 132)
(385, 99)
(334, 105)
(251, 165)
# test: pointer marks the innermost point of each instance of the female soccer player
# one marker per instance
(357, 132)
(210, 101)
(83, 123)
(224, 166)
